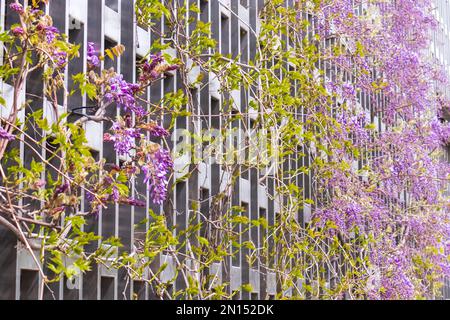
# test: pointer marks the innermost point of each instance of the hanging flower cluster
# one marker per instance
(123, 138)
(40, 32)
(35, 33)
(124, 94)
(154, 68)
(128, 133)
(156, 169)
(17, 7)
(155, 129)
(92, 57)
(6, 135)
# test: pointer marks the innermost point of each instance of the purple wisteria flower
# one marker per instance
(155, 130)
(440, 131)
(115, 194)
(51, 33)
(159, 132)
(40, 184)
(89, 195)
(95, 207)
(5, 135)
(154, 67)
(156, 171)
(18, 31)
(345, 216)
(348, 91)
(92, 57)
(148, 68)
(63, 188)
(60, 58)
(123, 138)
(134, 202)
(123, 93)
(17, 7)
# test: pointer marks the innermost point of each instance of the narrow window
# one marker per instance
(113, 4)
(29, 285)
(107, 288)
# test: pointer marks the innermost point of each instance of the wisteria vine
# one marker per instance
(346, 87)
(398, 197)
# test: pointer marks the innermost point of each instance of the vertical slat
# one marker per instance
(91, 279)
(127, 69)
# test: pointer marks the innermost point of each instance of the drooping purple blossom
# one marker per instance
(92, 57)
(159, 132)
(148, 68)
(40, 184)
(124, 93)
(115, 194)
(17, 7)
(134, 202)
(155, 67)
(60, 58)
(63, 188)
(155, 130)
(18, 31)
(123, 138)
(50, 33)
(89, 195)
(156, 171)
(5, 135)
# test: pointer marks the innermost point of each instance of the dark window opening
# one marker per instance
(204, 6)
(204, 210)
(29, 285)
(107, 288)
(244, 44)
(244, 3)
(138, 290)
(76, 66)
(113, 4)
(225, 34)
